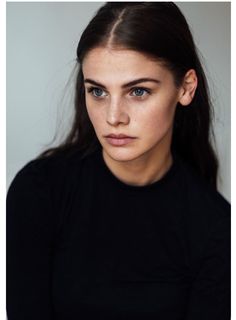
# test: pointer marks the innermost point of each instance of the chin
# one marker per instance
(122, 154)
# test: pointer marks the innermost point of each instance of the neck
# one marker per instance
(142, 171)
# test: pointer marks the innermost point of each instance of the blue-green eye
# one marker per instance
(97, 92)
(139, 92)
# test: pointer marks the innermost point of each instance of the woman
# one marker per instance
(124, 220)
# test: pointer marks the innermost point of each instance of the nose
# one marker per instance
(117, 113)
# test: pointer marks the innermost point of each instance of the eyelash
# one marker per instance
(91, 89)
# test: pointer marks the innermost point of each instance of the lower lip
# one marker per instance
(119, 142)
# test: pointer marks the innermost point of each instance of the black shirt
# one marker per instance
(81, 244)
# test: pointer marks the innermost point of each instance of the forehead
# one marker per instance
(106, 63)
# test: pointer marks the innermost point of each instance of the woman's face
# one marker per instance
(131, 102)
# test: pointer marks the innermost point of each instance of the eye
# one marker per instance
(140, 92)
(96, 92)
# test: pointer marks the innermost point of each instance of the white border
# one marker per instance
(233, 158)
(3, 146)
(3, 158)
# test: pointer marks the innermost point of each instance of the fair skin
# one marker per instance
(143, 111)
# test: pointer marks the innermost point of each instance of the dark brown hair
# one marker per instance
(159, 30)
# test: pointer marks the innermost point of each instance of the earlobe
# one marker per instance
(188, 88)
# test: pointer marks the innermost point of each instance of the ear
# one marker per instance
(188, 88)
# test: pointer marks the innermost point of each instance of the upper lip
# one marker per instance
(118, 136)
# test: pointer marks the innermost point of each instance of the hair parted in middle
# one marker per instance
(160, 31)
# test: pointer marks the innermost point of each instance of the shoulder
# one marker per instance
(41, 189)
(205, 204)
(49, 169)
(50, 180)
(206, 215)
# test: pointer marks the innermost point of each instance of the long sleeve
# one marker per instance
(29, 247)
(210, 294)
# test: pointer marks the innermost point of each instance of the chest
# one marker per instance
(120, 258)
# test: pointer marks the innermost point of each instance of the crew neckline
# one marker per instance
(106, 172)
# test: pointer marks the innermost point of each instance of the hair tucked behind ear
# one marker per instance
(159, 30)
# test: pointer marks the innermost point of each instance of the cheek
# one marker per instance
(158, 119)
(95, 116)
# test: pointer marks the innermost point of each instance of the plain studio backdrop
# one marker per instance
(42, 38)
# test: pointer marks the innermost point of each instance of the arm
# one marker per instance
(210, 293)
(29, 247)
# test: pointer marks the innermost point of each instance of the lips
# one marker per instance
(119, 140)
(119, 136)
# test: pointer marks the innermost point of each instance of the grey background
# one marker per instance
(41, 49)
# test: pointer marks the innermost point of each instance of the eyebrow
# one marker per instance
(126, 85)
